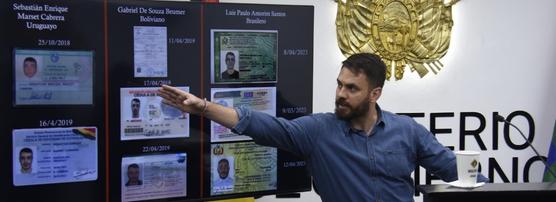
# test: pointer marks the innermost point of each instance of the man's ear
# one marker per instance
(375, 94)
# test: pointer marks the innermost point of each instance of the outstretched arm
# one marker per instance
(294, 135)
(190, 103)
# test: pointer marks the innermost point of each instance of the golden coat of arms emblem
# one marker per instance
(405, 33)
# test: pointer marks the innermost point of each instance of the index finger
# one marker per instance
(171, 89)
(173, 94)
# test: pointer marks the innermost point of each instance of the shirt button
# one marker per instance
(371, 157)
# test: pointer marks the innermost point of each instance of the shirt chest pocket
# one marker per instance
(397, 162)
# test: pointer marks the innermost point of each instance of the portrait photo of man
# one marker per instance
(30, 67)
(225, 180)
(26, 160)
(135, 108)
(228, 65)
(133, 175)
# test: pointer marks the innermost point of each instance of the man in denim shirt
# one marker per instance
(358, 153)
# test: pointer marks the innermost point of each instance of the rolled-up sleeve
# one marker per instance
(438, 159)
(244, 118)
(296, 136)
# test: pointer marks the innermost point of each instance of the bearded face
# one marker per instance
(346, 111)
(353, 97)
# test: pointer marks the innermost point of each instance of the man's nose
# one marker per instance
(341, 93)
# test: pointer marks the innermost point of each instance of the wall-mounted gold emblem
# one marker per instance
(405, 33)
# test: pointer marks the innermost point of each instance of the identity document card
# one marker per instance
(54, 155)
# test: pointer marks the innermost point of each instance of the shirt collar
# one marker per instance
(380, 122)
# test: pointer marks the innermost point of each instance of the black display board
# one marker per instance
(94, 61)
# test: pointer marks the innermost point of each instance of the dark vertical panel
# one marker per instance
(84, 33)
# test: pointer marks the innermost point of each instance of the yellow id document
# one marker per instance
(248, 199)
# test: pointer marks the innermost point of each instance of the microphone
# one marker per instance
(502, 119)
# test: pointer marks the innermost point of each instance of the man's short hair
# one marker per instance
(29, 59)
(25, 150)
(371, 64)
(133, 165)
(230, 53)
(224, 160)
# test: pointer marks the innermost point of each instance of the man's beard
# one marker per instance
(354, 112)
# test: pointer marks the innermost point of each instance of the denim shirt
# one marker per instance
(348, 165)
